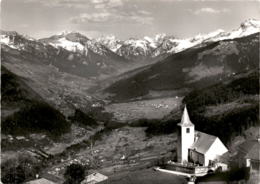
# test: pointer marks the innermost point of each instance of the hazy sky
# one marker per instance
(125, 18)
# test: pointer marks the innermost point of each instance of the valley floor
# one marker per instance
(150, 109)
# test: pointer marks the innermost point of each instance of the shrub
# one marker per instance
(233, 175)
(14, 175)
(114, 125)
(74, 174)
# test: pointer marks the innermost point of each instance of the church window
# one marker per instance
(188, 130)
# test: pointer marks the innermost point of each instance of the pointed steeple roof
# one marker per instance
(185, 120)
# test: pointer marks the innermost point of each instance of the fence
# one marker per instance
(186, 168)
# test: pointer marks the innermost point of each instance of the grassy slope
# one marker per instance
(64, 90)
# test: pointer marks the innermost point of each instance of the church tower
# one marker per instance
(185, 136)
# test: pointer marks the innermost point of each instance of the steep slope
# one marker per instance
(228, 108)
(24, 111)
(15, 92)
(196, 67)
(49, 75)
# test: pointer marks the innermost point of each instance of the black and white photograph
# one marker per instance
(130, 91)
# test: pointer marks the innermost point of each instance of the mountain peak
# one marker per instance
(250, 23)
(109, 41)
(160, 36)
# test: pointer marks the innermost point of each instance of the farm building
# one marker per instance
(40, 181)
(195, 146)
(248, 155)
(94, 178)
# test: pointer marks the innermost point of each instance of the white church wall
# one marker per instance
(187, 139)
(217, 149)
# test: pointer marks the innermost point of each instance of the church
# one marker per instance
(195, 146)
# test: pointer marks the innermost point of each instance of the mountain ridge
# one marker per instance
(146, 49)
(194, 67)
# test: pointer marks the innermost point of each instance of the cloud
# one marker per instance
(143, 12)
(101, 11)
(209, 10)
(112, 17)
(107, 3)
(79, 3)
(94, 17)
(114, 11)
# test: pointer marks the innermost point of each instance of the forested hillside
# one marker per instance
(224, 109)
(24, 111)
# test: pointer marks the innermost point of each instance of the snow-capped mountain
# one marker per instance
(108, 50)
(171, 45)
(162, 44)
(14, 40)
(147, 49)
(78, 43)
(75, 42)
(136, 49)
(111, 42)
(133, 48)
(66, 52)
(246, 28)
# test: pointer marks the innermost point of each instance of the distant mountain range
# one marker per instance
(71, 63)
(143, 51)
(68, 53)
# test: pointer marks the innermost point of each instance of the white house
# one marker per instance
(195, 146)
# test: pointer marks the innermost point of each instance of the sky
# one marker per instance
(125, 18)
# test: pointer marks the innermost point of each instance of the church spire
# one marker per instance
(185, 120)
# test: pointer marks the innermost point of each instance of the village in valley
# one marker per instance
(191, 155)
